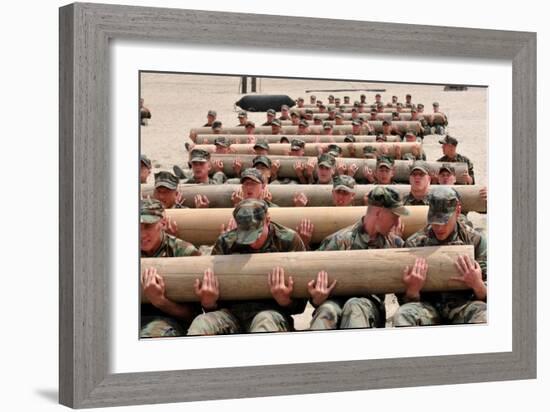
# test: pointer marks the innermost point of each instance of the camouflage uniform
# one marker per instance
(210, 113)
(154, 323)
(440, 129)
(256, 176)
(260, 315)
(364, 311)
(458, 158)
(169, 181)
(445, 307)
(199, 155)
(410, 200)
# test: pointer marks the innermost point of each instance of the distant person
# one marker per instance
(144, 113)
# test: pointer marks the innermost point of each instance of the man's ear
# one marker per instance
(458, 209)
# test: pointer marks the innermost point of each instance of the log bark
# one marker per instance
(219, 196)
(372, 271)
(202, 226)
(400, 127)
(276, 138)
(310, 149)
(287, 166)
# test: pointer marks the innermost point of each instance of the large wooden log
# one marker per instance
(400, 127)
(202, 226)
(347, 109)
(276, 138)
(219, 196)
(287, 166)
(359, 272)
(310, 149)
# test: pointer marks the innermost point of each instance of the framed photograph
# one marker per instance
(111, 56)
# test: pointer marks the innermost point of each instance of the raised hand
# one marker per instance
(319, 290)
(208, 290)
(414, 278)
(280, 290)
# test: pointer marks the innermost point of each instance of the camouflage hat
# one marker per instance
(252, 174)
(385, 122)
(354, 109)
(261, 144)
(339, 115)
(217, 125)
(145, 160)
(368, 149)
(381, 138)
(356, 103)
(408, 95)
(284, 107)
(420, 106)
(388, 198)
(250, 216)
(349, 138)
(377, 95)
(363, 95)
(331, 108)
(222, 141)
(327, 125)
(303, 123)
(447, 167)
(317, 118)
(326, 160)
(271, 112)
(199, 155)
(395, 114)
(334, 150)
(297, 144)
(356, 122)
(212, 113)
(250, 123)
(275, 122)
(449, 140)
(294, 113)
(300, 99)
(384, 161)
(242, 113)
(443, 201)
(284, 139)
(413, 110)
(309, 111)
(435, 104)
(419, 165)
(264, 160)
(344, 182)
(150, 211)
(167, 180)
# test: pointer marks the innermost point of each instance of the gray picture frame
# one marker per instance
(85, 31)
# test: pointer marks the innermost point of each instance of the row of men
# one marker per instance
(254, 232)
(337, 101)
(334, 118)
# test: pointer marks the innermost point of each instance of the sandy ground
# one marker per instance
(180, 102)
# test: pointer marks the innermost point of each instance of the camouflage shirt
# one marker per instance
(217, 178)
(462, 235)
(460, 159)
(410, 156)
(280, 239)
(171, 246)
(355, 237)
(410, 200)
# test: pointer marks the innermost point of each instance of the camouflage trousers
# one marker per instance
(354, 313)
(424, 314)
(223, 322)
(159, 327)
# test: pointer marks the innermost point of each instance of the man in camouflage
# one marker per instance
(199, 161)
(373, 231)
(384, 172)
(270, 116)
(161, 317)
(439, 128)
(166, 190)
(223, 145)
(243, 117)
(420, 180)
(255, 233)
(211, 118)
(432, 308)
(450, 155)
(253, 186)
(145, 167)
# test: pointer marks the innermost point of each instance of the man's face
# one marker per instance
(449, 150)
(297, 152)
(386, 220)
(210, 118)
(414, 115)
(200, 170)
(140, 102)
(275, 129)
(338, 121)
(384, 175)
(263, 237)
(442, 232)
(446, 178)
(408, 99)
(386, 129)
(356, 129)
(266, 171)
(249, 129)
(242, 120)
(324, 174)
(150, 236)
(260, 152)
(222, 149)
(410, 138)
(377, 99)
(300, 103)
(302, 130)
(284, 112)
(144, 173)
(295, 120)
(394, 99)
(342, 197)
(436, 109)
(419, 180)
(252, 189)
(165, 196)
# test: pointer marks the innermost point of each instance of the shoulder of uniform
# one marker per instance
(417, 238)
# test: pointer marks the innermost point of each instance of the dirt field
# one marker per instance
(180, 102)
